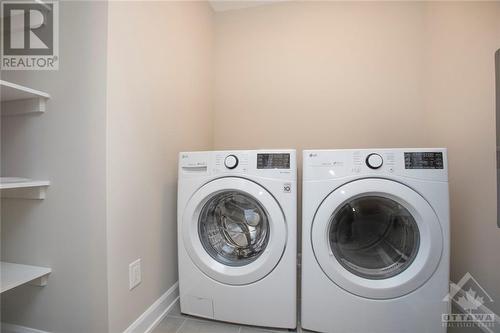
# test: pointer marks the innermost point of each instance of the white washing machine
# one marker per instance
(237, 236)
(375, 240)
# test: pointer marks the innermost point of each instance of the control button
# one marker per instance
(374, 161)
(231, 162)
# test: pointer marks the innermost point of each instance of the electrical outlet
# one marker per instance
(134, 274)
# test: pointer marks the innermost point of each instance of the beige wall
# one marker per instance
(393, 74)
(460, 114)
(308, 75)
(67, 230)
(159, 103)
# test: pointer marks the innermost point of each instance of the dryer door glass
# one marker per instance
(233, 228)
(374, 237)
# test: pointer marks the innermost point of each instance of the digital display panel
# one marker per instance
(273, 161)
(424, 160)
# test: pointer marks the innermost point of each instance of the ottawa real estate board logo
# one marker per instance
(30, 35)
(472, 302)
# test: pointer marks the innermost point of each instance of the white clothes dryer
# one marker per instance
(375, 242)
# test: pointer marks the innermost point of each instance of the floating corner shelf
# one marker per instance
(14, 275)
(18, 100)
(23, 188)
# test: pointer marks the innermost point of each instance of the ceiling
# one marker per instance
(225, 5)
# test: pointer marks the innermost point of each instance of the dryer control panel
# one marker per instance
(424, 160)
(425, 163)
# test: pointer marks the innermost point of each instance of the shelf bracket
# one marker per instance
(41, 281)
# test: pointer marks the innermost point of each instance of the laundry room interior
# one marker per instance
(151, 104)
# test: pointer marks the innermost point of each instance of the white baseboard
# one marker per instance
(11, 328)
(148, 321)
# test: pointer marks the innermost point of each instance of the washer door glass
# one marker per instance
(233, 228)
(374, 237)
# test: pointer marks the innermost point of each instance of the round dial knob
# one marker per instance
(231, 162)
(374, 161)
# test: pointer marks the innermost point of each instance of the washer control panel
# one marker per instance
(273, 161)
(374, 161)
(278, 164)
(231, 161)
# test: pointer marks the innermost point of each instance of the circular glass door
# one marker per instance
(233, 230)
(374, 237)
(377, 238)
